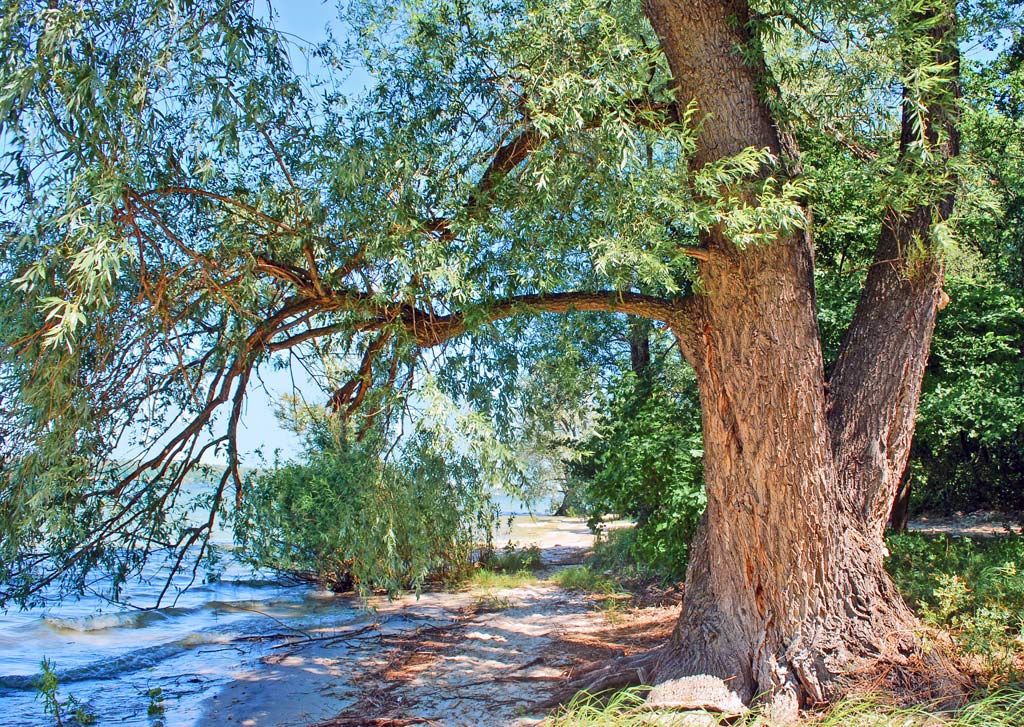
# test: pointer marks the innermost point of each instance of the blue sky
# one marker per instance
(305, 20)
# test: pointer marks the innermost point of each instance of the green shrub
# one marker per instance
(348, 518)
(972, 587)
(969, 444)
(646, 464)
(616, 553)
(511, 559)
(583, 578)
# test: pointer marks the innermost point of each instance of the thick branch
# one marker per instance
(512, 153)
(681, 315)
(876, 384)
(432, 330)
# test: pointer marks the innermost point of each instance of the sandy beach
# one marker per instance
(473, 657)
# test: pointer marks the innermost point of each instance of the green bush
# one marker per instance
(511, 559)
(646, 464)
(509, 567)
(969, 444)
(348, 518)
(583, 578)
(972, 587)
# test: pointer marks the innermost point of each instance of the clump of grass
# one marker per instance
(586, 579)
(624, 709)
(489, 603)
(973, 588)
(615, 552)
(620, 709)
(511, 559)
(509, 567)
(998, 709)
(484, 578)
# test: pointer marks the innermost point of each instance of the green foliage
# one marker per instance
(970, 432)
(969, 436)
(155, 708)
(349, 517)
(972, 587)
(70, 708)
(557, 400)
(617, 552)
(509, 567)
(511, 559)
(584, 578)
(187, 198)
(645, 463)
(490, 580)
(166, 173)
(621, 709)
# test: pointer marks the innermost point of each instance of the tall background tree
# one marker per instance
(182, 206)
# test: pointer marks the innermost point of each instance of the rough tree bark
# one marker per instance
(785, 591)
(876, 383)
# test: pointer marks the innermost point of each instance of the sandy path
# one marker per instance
(478, 657)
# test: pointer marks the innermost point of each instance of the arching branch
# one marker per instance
(514, 152)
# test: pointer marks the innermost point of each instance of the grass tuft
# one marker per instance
(584, 578)
(1004, 708)
(512, 560)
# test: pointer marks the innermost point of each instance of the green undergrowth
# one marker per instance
(587, 579)
(484, 578)
(509, 567)
(617, 557)
(511, 559)
(971, 587)
(624, 709)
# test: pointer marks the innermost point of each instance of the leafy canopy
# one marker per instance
(190, 195)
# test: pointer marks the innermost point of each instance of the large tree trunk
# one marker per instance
(785, 591)
(876, 383)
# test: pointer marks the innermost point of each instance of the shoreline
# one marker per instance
(436, 658)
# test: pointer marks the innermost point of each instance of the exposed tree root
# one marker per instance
(927, 676)
(607, 675)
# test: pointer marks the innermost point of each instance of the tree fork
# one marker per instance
(785, 591)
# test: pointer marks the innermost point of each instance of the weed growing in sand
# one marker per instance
(489, 603)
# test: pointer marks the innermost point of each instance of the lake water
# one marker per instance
(110, 656)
